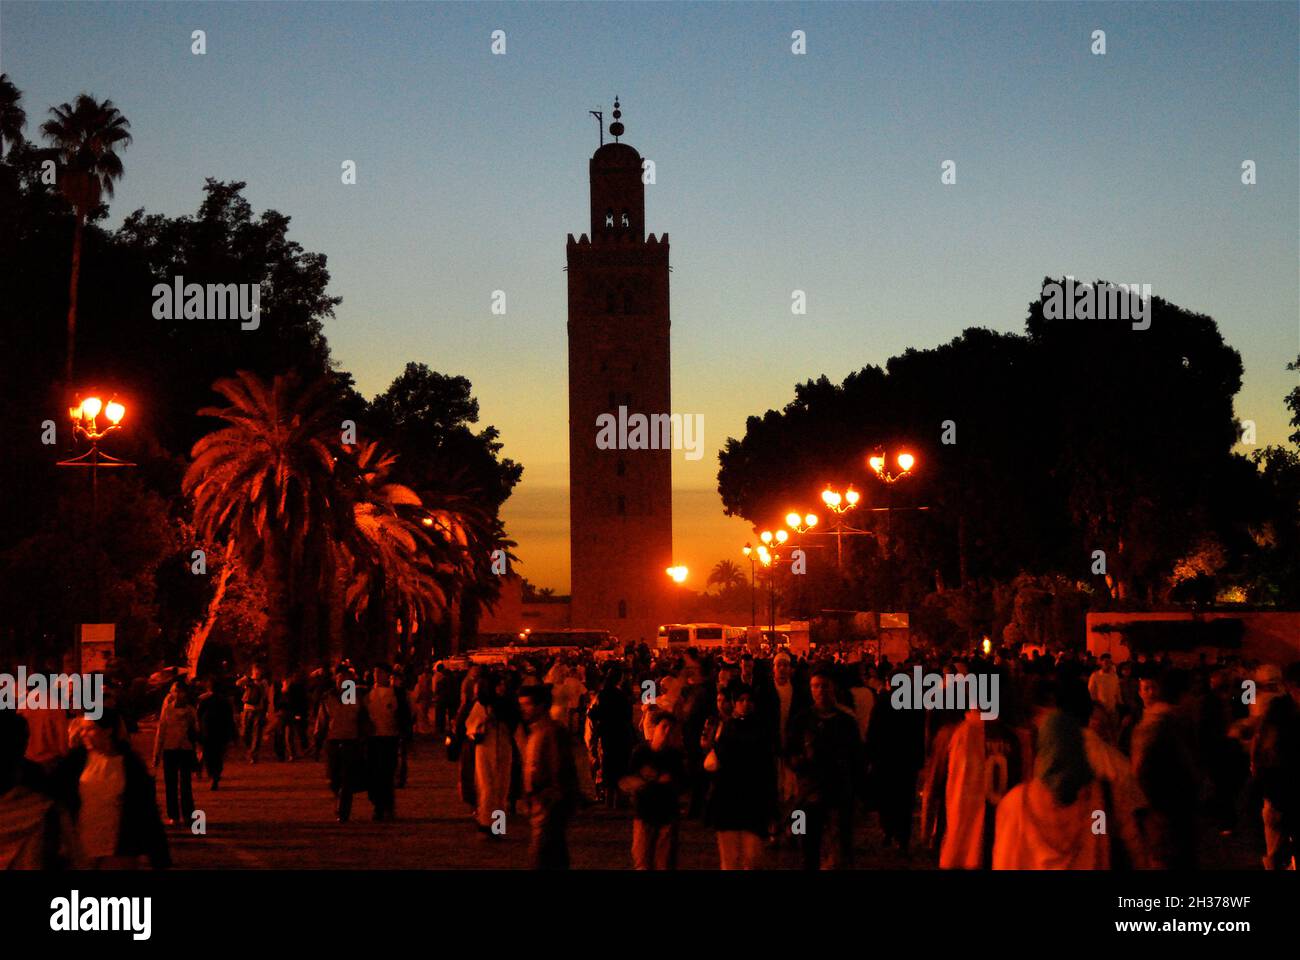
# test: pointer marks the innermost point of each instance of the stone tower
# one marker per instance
(621, 523)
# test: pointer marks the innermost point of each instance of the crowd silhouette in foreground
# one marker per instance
(1087, 765)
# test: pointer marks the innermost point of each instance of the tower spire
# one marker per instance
(616, 128)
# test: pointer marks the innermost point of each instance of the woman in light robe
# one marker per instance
(488, 728)
(981, 762)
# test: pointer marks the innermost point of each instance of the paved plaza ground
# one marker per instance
(278, 815)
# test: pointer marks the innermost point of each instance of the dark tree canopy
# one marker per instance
(1075, 436)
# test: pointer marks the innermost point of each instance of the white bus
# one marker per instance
(683, 635)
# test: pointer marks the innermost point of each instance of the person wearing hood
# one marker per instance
(1051, 822)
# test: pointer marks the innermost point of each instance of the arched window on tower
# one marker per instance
(627, 222)
(609, 217)
(622, 467)
(622, 609)
(622, 505)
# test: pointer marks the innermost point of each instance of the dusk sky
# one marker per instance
(775, 172)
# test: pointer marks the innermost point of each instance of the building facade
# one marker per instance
(620, 539)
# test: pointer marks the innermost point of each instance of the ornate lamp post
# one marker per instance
(840, 504)
(753, 603)
(85, 425)
(800, 523)
(879, 463)
(768, 554)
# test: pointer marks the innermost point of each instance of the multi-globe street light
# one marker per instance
(879, 464)
(86, 425)
(839, 504)
(800, 523)
(768, 555)
(750, 554)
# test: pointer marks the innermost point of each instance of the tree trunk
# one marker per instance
(199, 635)
(276, 570)
(453, 620)
(72, 296)
(337, 616)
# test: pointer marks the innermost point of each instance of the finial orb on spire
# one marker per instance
(616, 128)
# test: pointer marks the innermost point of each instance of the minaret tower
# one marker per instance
(621, 524)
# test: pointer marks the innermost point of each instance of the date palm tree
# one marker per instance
(726, 575)
(12, 115)
(302, 509)
(397, 551)
(86, 134)
(267, 480)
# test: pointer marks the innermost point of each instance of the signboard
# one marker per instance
(98, 645)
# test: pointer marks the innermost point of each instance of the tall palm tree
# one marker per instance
(726, 575)
(302, 509)
(398, 552)
(469, 530)
(86, 134)
(266, 479)
(12, 115)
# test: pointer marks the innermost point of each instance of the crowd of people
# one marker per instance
(1085, 764)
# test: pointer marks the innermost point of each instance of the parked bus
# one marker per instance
(500, 647)
(685, 635)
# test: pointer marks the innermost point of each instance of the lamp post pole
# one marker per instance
(85, 425)
(879, 463)
(753, 597)
(767, 553)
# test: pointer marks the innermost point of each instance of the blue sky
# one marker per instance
(775, 172)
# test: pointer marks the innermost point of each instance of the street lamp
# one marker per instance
(85, 425)
(840, 502)
(800, 524)
(678, 574)
(768, 556)
(748, 550)
(878, 463)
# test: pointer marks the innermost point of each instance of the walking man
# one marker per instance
(550, 779)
